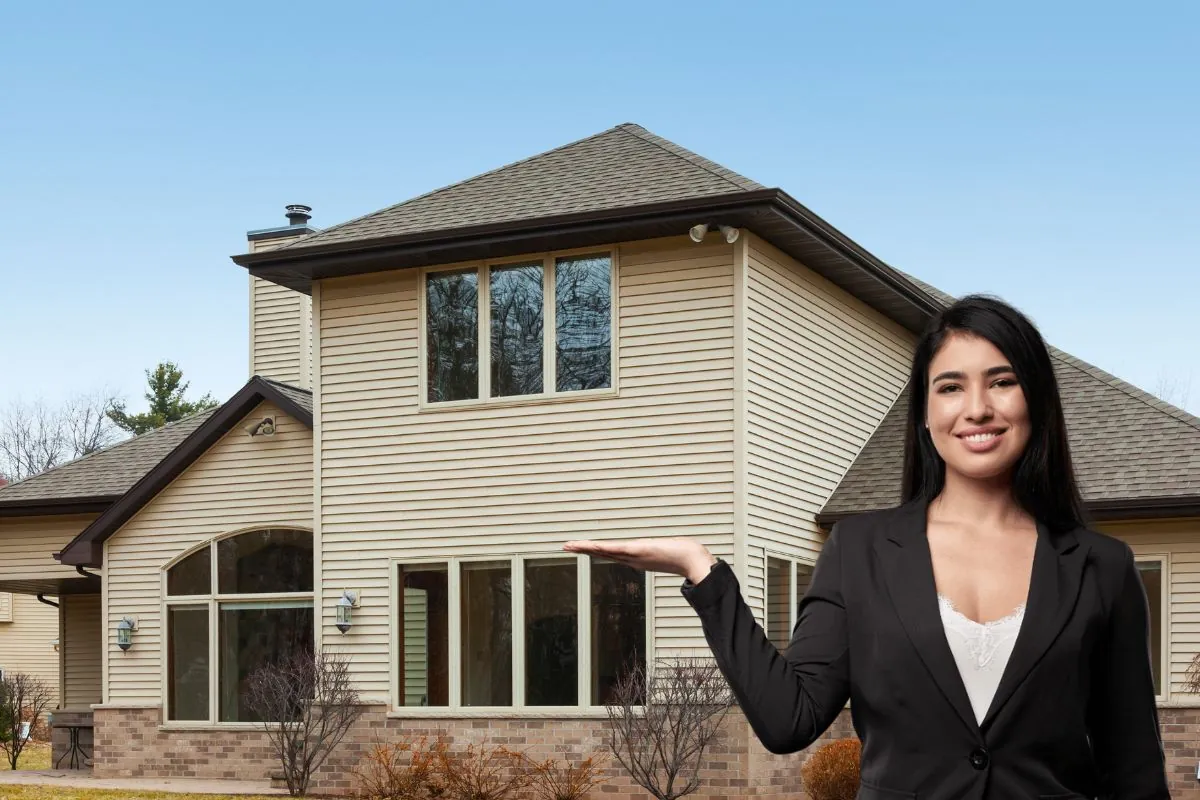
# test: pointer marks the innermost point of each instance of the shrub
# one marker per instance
(552, 781)
(483, 773)
(831, 772)
(408, 770)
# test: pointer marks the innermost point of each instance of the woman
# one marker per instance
(990, 644)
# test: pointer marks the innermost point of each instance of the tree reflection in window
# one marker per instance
(583, 323)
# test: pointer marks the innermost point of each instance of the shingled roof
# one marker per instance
(87, 550)
(1134, 455)
(95, 481)
(623, 166)
(619, 185)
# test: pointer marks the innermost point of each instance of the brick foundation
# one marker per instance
(131, 745)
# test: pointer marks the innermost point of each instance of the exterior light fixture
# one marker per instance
(125, 629)
(730, 233)
(698, 232)
(345, 610)
(266, 427)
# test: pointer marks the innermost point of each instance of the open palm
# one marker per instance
(675, 555)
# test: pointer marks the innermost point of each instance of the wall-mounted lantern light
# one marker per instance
(345, 610)
(125, 629)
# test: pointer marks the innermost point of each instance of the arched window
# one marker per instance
(237, 604)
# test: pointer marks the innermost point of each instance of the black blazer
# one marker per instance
(1074, 715)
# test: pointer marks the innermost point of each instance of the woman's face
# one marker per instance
(976, 412)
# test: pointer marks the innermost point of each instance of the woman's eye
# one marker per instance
(1006, 382)
(947, 387)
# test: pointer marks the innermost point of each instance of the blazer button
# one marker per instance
(979, 758)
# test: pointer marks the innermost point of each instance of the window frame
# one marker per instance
(549, 393)
(213, 601)
(1164, 562)
(794, 563)
(455, 708)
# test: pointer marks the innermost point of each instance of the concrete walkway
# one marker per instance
(82, 779)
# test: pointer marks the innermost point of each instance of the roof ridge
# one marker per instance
(297, 244)
(695, 159)
(141, 437)
(1127, 388)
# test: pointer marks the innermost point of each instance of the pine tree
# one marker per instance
(165, 396)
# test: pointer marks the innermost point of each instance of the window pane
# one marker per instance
(779, 602)
(187, 662)
(804, 573)
(274, 560)
(1151, 572)
(193, 575)
(452, 335)
(517, 330)
(551, 634)
(253, 636)
(487, 634)
(583, 322)
(424, 611)
(618, 625)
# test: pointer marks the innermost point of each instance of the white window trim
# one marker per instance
(1164, 561)
(518, 709)
(213, 603)
(549, 362)
(794, 562)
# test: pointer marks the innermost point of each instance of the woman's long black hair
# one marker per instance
(1043, 480)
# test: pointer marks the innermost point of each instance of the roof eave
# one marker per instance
(87, 549)
(770, 213)
(56, 507)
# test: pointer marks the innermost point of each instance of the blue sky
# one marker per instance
(1044, 152)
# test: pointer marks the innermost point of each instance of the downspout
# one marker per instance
(87, 574)
(41, 598)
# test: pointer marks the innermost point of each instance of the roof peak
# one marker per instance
(620, 166)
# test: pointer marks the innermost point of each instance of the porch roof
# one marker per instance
(55, 587)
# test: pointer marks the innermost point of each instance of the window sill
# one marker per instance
(429, 712)
(519, 400)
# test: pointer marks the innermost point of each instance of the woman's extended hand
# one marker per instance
(677, 556)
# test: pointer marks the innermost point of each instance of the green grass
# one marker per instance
(36, 755)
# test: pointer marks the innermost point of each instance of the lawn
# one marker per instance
(36, 755)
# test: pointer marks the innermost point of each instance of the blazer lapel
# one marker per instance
(908, 568)
(1053, 589)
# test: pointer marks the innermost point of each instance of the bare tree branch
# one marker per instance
(662, 720)
(306, 704)
(35, 437)
(23, 699)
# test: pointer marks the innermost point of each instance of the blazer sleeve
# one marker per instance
(789, 699)
(1122, 714)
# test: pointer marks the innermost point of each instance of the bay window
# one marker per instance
(533, 328)
(233, 606)
(523, 632)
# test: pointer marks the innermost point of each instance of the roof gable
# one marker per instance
(87, 548)
(623, 166)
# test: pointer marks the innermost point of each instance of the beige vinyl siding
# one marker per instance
(400, 483)
(239, 483)
(27, 642)
(822, 370)
(415, 645)
(28, 545)
(81, 646)
(280, 327)
(1179, 541)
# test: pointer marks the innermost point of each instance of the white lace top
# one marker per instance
(980, 649)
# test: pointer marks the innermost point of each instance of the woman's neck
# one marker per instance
(988, 503)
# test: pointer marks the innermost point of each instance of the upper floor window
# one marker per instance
(1152, 569)
(533, 328)
(233, 606)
